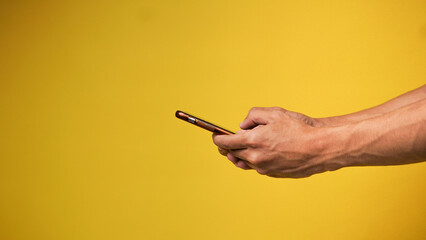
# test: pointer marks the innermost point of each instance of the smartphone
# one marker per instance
(201, 123)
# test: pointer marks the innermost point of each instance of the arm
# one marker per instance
(391, 105)
(396, 137)
(284, 146)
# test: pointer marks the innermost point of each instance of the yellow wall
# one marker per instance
(90, 147)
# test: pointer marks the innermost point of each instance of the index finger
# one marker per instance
(234, 141)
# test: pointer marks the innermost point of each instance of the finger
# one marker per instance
(232, 158)
(243, 165)
(238, 162)
(235, 159)
(234, 141)
(222, 151)
(256, 116)
(240, 153)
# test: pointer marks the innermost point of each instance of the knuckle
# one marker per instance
(251, 140)
(254, 109)
(255, 158)
(278, 114)
(278, 110)
(275, 109)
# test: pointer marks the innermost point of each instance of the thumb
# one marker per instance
(256, 116)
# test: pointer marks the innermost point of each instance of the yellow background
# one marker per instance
(90, 147)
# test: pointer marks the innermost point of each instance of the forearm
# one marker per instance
(397, 137)
(389, 106)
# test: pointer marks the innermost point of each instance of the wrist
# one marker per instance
(334, 147)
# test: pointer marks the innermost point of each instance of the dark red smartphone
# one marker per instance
(201, 123)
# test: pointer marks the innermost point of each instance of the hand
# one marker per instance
(277, 143)
(314, 122)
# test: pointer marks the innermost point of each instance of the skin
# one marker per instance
(281, 143)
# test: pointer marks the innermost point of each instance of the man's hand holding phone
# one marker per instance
(277, 143)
